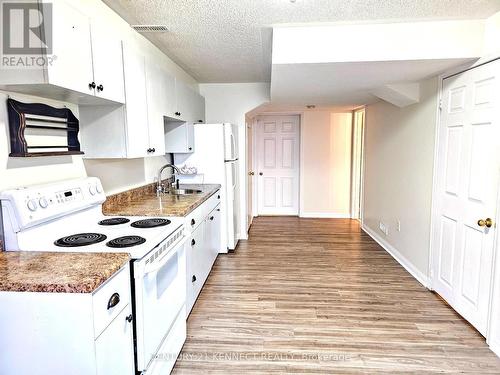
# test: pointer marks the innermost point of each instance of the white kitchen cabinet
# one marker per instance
(202, 246)
(161, 103)
(190, 104)
(78, 64)
(72, 46)
(107, 63)
(68, 333)
(179, 137)
(125, 131)
(214, 233)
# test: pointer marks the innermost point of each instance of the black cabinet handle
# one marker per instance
(218, 196)
(92, 85)
(200, 120)
(193, 222)
(211, 217)
(193, 279)
(193, 242)
(190, 148)
(129, 318)
(177, 113)
(113, 300)
(150, 150)
(100, 88)
(153, 149)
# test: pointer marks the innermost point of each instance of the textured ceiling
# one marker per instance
(230, 40)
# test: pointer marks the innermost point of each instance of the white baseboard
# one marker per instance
(325, 215)
(417, 274)
(495, 348)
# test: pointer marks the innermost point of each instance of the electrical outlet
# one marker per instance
(398, 225)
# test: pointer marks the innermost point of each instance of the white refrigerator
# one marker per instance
(216, 158)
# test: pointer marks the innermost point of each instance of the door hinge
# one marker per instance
(440, 104)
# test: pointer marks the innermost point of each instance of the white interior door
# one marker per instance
(467, 187)
(278, 165)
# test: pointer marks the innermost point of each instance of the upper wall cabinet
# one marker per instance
(160, 101)
(84, 66)
(108, 64)
(190, 104)
(122, 131)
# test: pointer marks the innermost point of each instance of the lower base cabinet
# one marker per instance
(202, 247)
(68, 333)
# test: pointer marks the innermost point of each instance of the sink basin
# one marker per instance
(183, 191)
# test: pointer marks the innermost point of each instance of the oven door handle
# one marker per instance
(159, 263)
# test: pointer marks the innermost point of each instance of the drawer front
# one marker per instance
(164, 361)
(196, 217)
(110, 299)
(212, 202)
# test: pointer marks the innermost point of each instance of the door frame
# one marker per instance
(360, 191)
(255, 196)
(494, 308)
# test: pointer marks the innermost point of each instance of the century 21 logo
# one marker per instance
(26, 28)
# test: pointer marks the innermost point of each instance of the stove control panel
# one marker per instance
(36, 204)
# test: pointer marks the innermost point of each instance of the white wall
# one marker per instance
(16, 172)
(325, 163)
(399, 157)
(229, 102)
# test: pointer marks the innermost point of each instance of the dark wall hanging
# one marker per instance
(31, 125)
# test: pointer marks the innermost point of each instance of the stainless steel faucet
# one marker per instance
(159, 186)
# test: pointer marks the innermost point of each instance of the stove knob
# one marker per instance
(98, 188)
(92, 190)
(43, 203)
(32, 206)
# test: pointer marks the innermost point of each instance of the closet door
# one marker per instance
(467, 179)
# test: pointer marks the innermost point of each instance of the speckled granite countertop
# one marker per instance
(54, 272)
(144, 202)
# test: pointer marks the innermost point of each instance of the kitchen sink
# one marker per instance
(183, 191)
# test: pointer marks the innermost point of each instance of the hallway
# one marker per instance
(320, 296)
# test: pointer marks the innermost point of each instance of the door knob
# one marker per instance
(261, 174)
(488, 223)
(251, 173)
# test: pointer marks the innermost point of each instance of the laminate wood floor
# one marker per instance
(320, 296)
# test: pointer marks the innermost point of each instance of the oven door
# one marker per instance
(160, 294)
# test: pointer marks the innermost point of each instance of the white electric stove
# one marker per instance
(67, 217)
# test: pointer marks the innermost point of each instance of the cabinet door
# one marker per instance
(114, 348)
(189, 137)
(108, 64)
(136, 103)
(156, 88)
(185, 103)
(214, 234)
(196, 277)
(179, 137)
(199, 108)
(72, 69)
